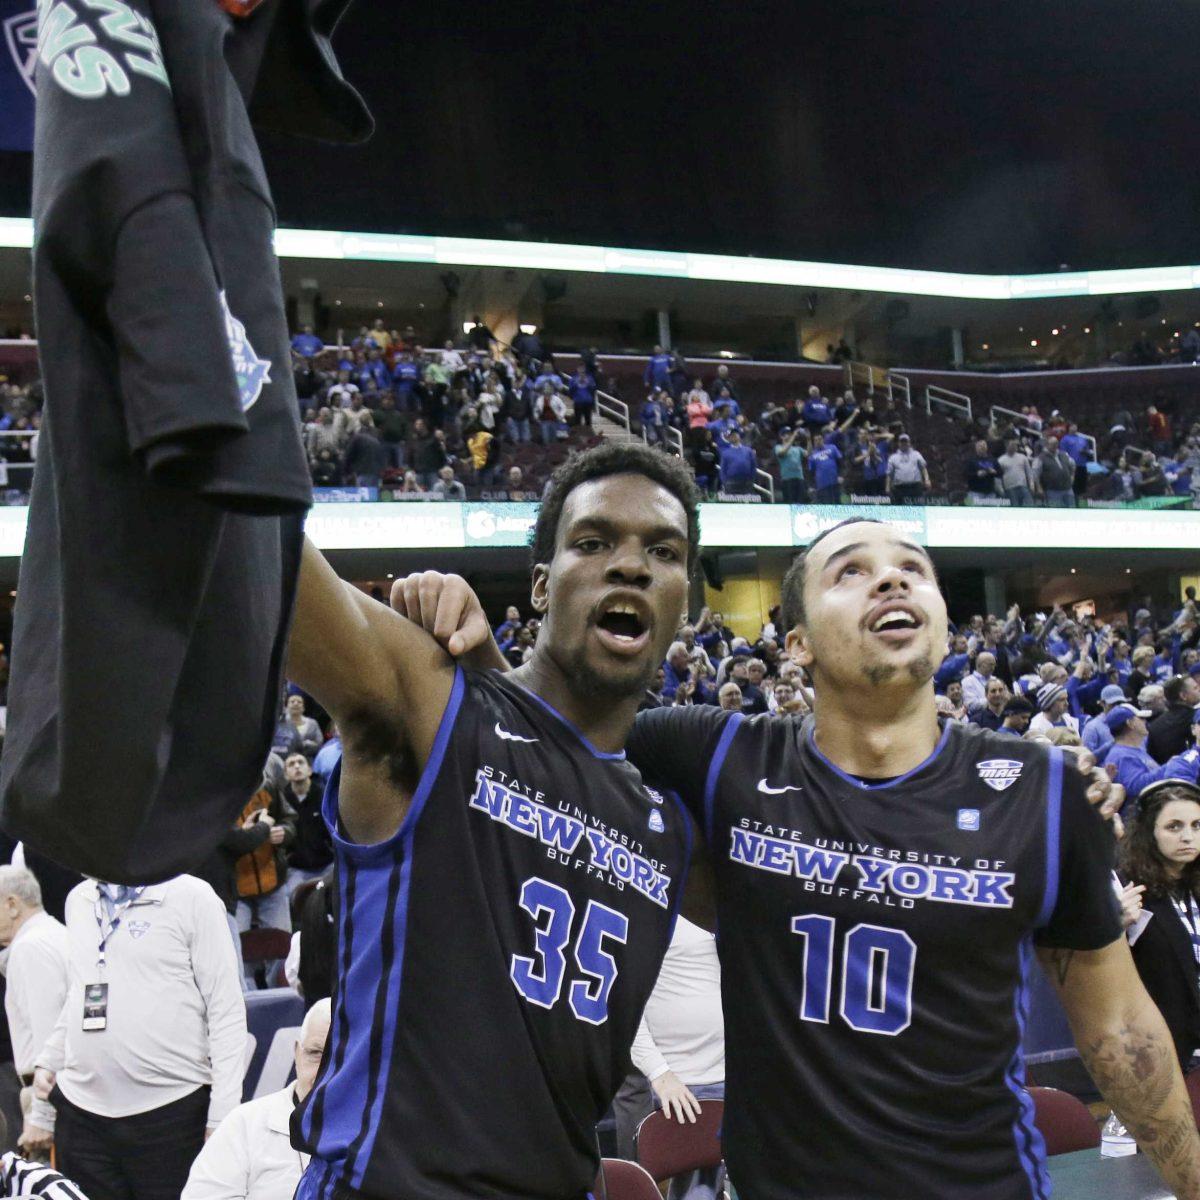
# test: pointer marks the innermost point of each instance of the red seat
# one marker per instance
(1063, 1121)
(666, 1147)
(265, 945)
(622, 1180)
(1192, 1079)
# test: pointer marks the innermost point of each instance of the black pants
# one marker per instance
(143, 1157)
(795, 491)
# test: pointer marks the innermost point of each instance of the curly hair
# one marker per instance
(1141, 860)
(615, 458)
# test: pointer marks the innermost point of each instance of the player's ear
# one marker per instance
(798, 649)
(539, 595)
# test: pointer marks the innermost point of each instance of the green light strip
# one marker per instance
(17, 233)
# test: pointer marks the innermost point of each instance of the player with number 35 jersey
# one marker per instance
(507, 884)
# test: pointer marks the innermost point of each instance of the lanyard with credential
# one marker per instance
(108, 918)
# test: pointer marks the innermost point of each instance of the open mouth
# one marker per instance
(623, 629)
(895, 624)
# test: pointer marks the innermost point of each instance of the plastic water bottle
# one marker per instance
(1115, 1140)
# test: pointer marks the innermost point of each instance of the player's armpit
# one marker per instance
(1126, 1047)
(384, 681)
(447, 607)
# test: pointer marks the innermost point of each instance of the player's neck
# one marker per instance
(605, 722)
(876, 741)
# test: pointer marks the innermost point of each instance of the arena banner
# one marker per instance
(497, 524)
(449, 526)
(18, 24)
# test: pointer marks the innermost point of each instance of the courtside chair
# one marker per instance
(666, 1147)
(1063, 1121)
(620, 1179)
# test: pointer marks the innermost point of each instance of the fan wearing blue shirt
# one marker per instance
(405, 376)
(658, 370)
(738, 465)
(722, 397)
(583, 395)
(1135, 769)
(307, 344)
(1096, 735)
(815, 412)
(824, 465)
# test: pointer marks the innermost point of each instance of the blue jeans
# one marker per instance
(1019, 497)
(706, 1184)
(1064, 499)
(518, 429)
(549, 430)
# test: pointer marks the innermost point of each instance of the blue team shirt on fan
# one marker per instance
(307, 345)
(816, 412)
(404, 377)
(823, 465)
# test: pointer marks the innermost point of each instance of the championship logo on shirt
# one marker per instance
(20, 36)
(252, 372)
(999, 773)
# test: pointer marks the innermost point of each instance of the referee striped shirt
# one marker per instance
(21, 1178)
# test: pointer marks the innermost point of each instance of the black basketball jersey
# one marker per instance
(494, 959)
(876, 942)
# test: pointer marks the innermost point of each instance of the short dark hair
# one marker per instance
(1173, 688)
(792, 591)
(616, 458)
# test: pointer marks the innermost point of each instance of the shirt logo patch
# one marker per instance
(768, 790)
(999, 773)
(968, 818)
(656, 821)
(20, 36)
(655, 796)
(505, 736)
(252, 372)
(138, 929)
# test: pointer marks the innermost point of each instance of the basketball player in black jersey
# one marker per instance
(883, 887)
(507, 883)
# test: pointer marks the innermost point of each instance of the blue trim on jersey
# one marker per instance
(887, 783)
(400, 921)
(365, 887)
(1053, 831)
(714, 771)
(568, 723)
(1031, 1147)
(681, 883)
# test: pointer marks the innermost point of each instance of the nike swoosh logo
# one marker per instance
(511, 737)
(764, 786)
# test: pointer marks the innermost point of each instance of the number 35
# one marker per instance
(539, 977)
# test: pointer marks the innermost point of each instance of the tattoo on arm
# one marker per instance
(1135, 1068)
(1060, 962)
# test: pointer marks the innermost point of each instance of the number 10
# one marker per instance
(877, 975)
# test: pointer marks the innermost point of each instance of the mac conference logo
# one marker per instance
(252, 372)
(999, 773)
(20, 36)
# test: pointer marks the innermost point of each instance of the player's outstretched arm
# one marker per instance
(447, 608)
(384, 681)
(1126, 1047)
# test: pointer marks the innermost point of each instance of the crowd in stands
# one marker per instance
(478, 419)
(453, 422)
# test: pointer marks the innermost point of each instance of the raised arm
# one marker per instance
(384, 681)
(1125, 1045)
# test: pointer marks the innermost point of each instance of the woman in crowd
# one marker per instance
(1160, 853)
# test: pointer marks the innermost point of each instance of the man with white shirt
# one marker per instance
(36, 976)
(147, 1055)
(250, 1157)
(680, 1043)
(974, 685)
